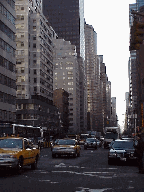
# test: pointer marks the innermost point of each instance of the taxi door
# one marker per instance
(27, 153)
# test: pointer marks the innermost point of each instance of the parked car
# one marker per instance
(90, 143)
(67, 147)
(121, 150)
(16, 152)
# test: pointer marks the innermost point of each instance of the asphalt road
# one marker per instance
(88, 173)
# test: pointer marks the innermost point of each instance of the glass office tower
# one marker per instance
(67, 19)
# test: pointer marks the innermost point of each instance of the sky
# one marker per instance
(110, 20)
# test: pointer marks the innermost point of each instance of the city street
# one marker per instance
(88, 173)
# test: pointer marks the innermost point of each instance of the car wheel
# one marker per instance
(34, 165)
(20, 165)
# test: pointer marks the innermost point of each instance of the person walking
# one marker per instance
(139, 153)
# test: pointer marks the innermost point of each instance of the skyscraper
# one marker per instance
(139, 3)
(34, 65)
(67, 19)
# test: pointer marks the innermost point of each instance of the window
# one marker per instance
(22, 44)
(23, 87)
(34, 45)
(70, 77)
(34, 37)
(70, 89)
(69, 67)
(35, 89)
(22, 17)
(34, 62)
(34, 54)
(22, 8)
(35, 80)
(34, 28)
(22, 78)
(22, 69)
(70, 73)
(70, 83)
(35, 71)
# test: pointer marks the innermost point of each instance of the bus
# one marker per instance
(27, 131)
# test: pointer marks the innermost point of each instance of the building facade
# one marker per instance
(66, 76)
(61, 101)
(92, 71)
(113, 112)
(7, 61)
(34, 65)
(67, 19)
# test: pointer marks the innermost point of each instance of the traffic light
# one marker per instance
(137, 35)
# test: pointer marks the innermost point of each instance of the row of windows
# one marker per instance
(20, 52)
(11, 3)
(43, 66)
(46, 84)
(6, 98)
(45, 51)
(46, 76)
(45, 44)
(7, 14)
(19, 17)
(31, 116)
(18, 7)
(60, 67)
(5, 29)
(20, 79)
(7, 64)
(46, 30)
(28, 106)
(44, 58)
(46, 37)
(44, 91)
(7, 115)
(4, 80)
(5, 46)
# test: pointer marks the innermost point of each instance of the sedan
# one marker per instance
(121, 150)
(90, 143)
(16, 152)
(66, 147)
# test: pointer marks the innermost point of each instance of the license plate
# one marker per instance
(123, 159)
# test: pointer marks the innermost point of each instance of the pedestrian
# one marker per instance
(139, 153)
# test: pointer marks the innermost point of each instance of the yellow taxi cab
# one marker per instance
(16, 152)
(66, 147)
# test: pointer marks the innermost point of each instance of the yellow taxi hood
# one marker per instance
(64, 146)
(9, 151)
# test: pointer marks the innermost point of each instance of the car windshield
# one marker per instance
(11, 143)
(123, 145)
(90, 140)
(111, 135)
(66, 142)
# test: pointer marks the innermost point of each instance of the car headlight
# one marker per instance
(132, 154)
(112, 154)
